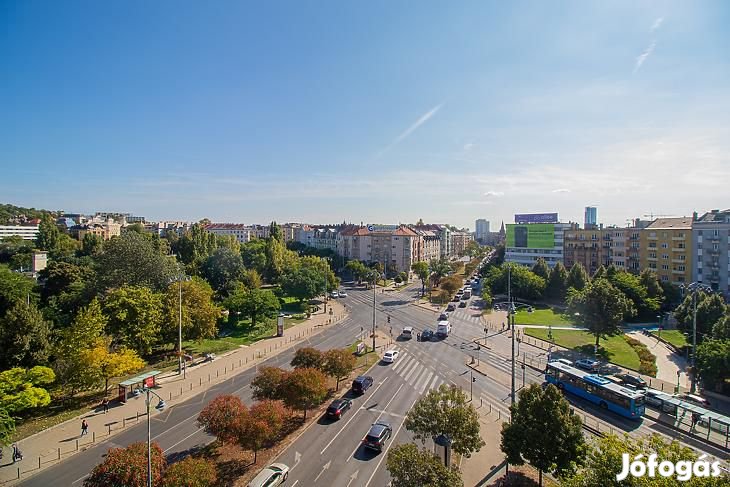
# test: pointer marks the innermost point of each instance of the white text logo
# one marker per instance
(683, 469)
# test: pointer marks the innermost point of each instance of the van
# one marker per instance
(407, 333)
(443, 328)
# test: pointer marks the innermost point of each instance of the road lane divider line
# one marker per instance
(392, 440)
(376, 420)
(351, 418)
(191, 434)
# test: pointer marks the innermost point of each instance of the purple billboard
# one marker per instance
(536, 218)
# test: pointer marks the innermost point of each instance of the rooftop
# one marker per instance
(681, 223)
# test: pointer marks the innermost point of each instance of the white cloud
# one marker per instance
(561, 190)
(644, 55)
(469, 146)
(657, 24)
(494, 194)
(422, 119)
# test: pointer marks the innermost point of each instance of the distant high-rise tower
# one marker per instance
(591, 219)
(482, 230)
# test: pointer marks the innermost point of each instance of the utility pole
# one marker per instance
(375, 286)
(511, 324)
(694, 340)
(179, 333)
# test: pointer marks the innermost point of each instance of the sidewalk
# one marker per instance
(668, 363)
(486, 465)
(55, 444)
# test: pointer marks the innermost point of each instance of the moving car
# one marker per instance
(342, 294)
(694, 399)
(361, 384)
(390, 356)
(632, 380)
(455, 299)
(334, 294)
(338, 408)
(451, 307)
(427, 336)
(379, 433)
(462, 304)
(274, 474)
(587, 364)
(443, 328)
(444, 316)
(564, 361)
(407, 333)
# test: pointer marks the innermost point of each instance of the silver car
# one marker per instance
(274, 474)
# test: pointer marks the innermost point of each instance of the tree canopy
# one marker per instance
(128, 467)
(446, 411)
(601, 308)
(135, 317)
(410, 466)
(25, 336)
(254, 303)
(577, 277)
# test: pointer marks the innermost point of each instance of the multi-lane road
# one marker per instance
(329, 453)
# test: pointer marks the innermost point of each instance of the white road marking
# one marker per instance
(422, 387)
(385, 453)
(191, 434)
(376, 419)
(351, 418)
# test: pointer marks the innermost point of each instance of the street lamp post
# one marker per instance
(180, 278)
(511, 324)
(694, 288)
(375, 285)
(160, 406)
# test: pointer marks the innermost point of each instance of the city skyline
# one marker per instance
(388, 114)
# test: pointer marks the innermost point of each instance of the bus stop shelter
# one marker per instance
(127, 388)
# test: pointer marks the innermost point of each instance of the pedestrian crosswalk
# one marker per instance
(417, 375)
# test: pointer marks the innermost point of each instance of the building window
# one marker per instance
(665, 267)
(665, 245)
(665, 256)
(680, 268)
(665, 278)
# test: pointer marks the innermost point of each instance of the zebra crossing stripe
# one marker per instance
(403, 358)
(435, 382)
(410, 362)
(424, 383)
(413, 369)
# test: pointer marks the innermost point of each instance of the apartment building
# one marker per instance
(666, 248)
(711, 254)
(320, 238)
(459, 241)
(396, 247)
(429, 245)
(481, 231)
(443, 232)
(242, 232)
(105, 230)
(26, 232)
(594, 247)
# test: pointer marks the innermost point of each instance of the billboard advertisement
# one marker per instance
(536, 218)
(533, 236)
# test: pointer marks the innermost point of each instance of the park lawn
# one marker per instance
(544, 316)
(675, 337)
(613, 349)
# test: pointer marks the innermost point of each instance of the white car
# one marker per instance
(334, 294)
(343, 294)
(274, 474)
(390, 356)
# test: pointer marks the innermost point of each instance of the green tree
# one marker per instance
(544, 431)
(541, 269)
(338, 363)
(601, 308)
(605, 462)
(650, 282)
(22, 389)
(269, 383)
(303, 283)
(7, 428)
(721, 328)
(251, 279)
(446, 411)
(254, 303)
(304, 389)
(577, 277)
(421, 270)
(600, 273)
(136, 315)
(25, 337)
(630, 285)
(16, 252)
(357, 269)
(199, 313)
(525, 283)
(133, 259)
(14, 287)
(128, 467)
(222, 269)
(190, 472)
(92, 244)
(308, 357)
(48, 234)
(439, 269)
(710, 308)
(254, 255)
(104, 362)
(410, 466)
(275, 232)
(557, 285)
(275, 258)
(450, 284)
(487, 297)
(713, 362)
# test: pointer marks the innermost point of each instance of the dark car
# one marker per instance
(338, 408)
(451, 307)
(361, 384)
(444, 316)
(377, 436)
(462, 304)
(455, 298)
(632, 380)
(426, 336)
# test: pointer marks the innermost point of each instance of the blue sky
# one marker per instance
(377, 111)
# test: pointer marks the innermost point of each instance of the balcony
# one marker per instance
(678, 261)
(674, 271)
(649, 237)
(678, 239)
(677, 249)
(650, 259)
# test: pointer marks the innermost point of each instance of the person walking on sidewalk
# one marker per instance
(84, 427)
(105, 405)
(17, 454)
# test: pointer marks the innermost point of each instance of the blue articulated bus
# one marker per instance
(596, 389)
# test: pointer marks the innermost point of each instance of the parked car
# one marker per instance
(338, 408)
(361, 384)
(694, 399)
(462, 304)
(274, 474)
(285, 315)
(427, 336)
(444, 316)
(379, 433)
(588, 364)
(451, 307)
(564, 361)
(632, 380)
(390, 356)
(342, 294)
(334, 294)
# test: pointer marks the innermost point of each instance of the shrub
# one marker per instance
(647, 360)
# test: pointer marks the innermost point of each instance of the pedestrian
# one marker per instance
(418, 337)
(84, 427)
(105, 405)
(17, 454)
